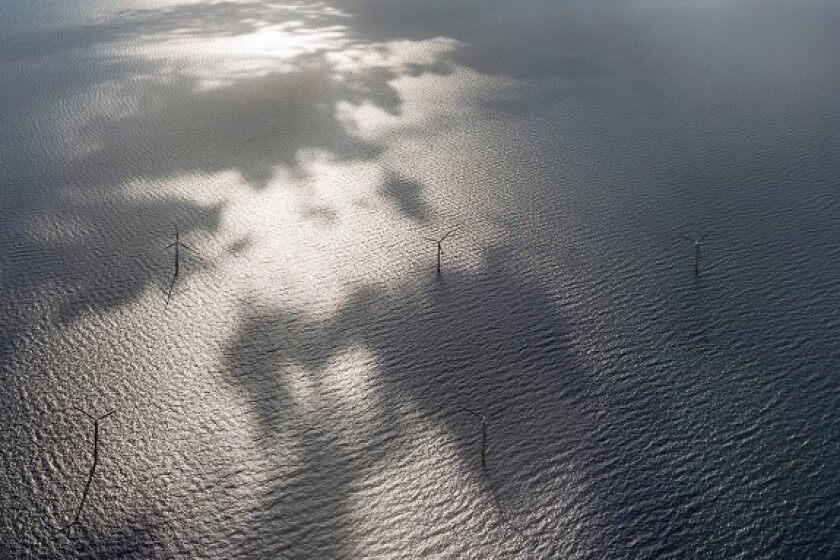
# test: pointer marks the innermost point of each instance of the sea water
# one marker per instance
(298, 389)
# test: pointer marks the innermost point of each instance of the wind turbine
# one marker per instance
(483, 434)
(177, 245)
(96, 420)
(697, 243)
(439, 243)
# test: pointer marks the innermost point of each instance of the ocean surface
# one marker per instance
(303, 388)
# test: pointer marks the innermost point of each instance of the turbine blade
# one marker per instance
(448, 233)
(83, 412)
(704, 236)
(474, 413)
(107, 414)
(188, 248)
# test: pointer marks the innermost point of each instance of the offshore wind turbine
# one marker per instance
(439, 243)
(96, 420)
(483, 434)
(177, 246)
(697, 243)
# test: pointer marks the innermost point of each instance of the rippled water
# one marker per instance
(301, 395)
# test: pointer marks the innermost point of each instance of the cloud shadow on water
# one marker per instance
(406, 195)
(253, 126)
(143, 537)
(171, 122)
(94, 257)
(264, 117)
(476, 339)
(489, 340)
(157, 121)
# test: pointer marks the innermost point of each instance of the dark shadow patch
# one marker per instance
(406, 195)
(323, 215)
(144, 537)
(252, 126)
(240, 246)
(100, 256)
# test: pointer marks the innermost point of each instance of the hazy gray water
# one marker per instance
(300, 396)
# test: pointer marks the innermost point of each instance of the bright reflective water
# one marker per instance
(301, 393)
